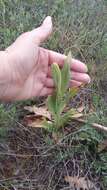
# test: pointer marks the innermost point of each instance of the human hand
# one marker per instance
(29, 73)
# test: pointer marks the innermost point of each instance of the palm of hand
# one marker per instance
(35, 81)
(30, 65)
(31, 68)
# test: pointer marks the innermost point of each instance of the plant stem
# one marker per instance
(94, 125)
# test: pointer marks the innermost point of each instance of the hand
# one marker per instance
(29, 66)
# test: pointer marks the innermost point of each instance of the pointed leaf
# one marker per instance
(61, 106)
(65, 74)
(51, 102)
(56, 73)
(77, 115)
(48, 125)
(39, 111)
(34, 121)
(66, 117)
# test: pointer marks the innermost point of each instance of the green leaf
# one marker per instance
(48, 125)
(61, 106)
(56, 74)
(65, 74)
(52, 106)
(57, 102)
(65, 118)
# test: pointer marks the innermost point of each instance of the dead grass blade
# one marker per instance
(80, 183)
(39, 111)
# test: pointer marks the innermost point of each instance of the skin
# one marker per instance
(25, 67)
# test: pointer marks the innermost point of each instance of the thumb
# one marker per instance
(43, 32)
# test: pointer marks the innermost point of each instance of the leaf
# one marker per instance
(61, 106)
(33, 121)
(48, 125)
(80, 183)
(65, 74)
(66, 117)
(51, 103)
(39, 111)
(72, 114)
(38, 122)
(77, 115)
(56, 74)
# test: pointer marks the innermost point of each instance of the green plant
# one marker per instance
(58, 101)
(6, 120)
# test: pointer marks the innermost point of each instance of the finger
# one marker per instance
(80, 77)
(46, 91)
(74, 83)
(49, 83)
(59, 58)
(43, 32)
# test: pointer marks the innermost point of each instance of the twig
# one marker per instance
(22, 155)
(94, 125)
